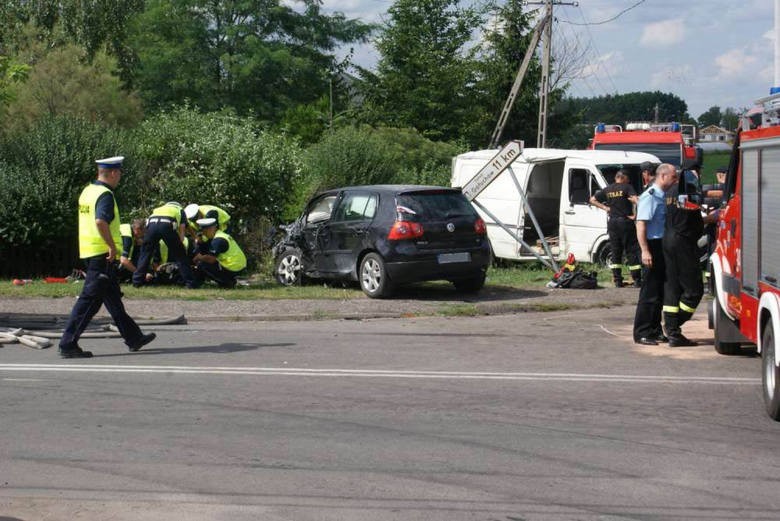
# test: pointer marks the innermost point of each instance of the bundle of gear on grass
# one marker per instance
(573, 277)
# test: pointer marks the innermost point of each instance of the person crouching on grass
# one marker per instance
(219, 258)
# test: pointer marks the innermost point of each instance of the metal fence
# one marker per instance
(28, 262)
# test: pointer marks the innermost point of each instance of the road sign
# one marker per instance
(490, 171)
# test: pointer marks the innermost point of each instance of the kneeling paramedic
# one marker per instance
(220, 258)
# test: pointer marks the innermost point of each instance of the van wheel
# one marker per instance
(373, 277)
(719, 319)
(470, 285)
(288, 269)
(771, 373)
(604, 255)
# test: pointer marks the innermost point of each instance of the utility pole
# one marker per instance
(544, 84)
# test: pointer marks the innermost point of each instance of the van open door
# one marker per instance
(583, 225)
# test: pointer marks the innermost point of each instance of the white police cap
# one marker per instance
(110, 162)
(207, 222)
(191, 210)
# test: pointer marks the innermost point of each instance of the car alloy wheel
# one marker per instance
(373, 276)
(289, 268)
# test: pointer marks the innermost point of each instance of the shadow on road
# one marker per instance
(221, 349)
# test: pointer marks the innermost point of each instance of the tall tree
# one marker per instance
(260, 56)
(632, 106)
(426, 72)
(730, 118)
(712, 116)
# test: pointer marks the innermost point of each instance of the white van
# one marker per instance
(558, 185)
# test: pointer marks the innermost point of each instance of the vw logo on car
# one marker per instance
(450, 227)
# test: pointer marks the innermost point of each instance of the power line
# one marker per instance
(621, 13)
(597, 53)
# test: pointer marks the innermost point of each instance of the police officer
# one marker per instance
(650, 221)
(205, 211)
(132, 239)
(167, 223)
(618, 201)
(220, 258)
(684, 287)
(99, 246)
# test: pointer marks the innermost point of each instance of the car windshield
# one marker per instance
(427, 206)
(666, 152)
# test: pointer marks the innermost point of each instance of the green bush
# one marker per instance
(42, 173)
(365, 155)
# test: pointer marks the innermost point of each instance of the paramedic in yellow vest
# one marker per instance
(167, 223)
(99, 246)
(220, 257)
(132, 239)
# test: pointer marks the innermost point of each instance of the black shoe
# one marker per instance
(619, 284)
(145, 339)
(75, 352)
(662, 339)
(681, 341)
(646, 341)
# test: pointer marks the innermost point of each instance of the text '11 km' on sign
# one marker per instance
(490, 171)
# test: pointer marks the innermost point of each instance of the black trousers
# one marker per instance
(224, 277)
(647, 320)
(684, 287)
(622, 240)
(155, 232)
(100, 287)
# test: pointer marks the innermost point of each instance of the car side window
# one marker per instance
(356, 206)
(321, 209)
(579, 186)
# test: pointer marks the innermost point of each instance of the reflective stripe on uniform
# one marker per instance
(671, 309)
(687, 308)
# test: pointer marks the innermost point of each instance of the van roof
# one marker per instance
(532, 155)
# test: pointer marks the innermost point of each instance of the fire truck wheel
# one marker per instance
(719, 318)
(770, 374)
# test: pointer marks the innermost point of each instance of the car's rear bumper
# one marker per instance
(429, 268)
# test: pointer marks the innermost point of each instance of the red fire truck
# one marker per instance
(745, 267)
(670, 142)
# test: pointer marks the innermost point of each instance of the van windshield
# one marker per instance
(634, 173)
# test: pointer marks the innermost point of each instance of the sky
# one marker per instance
(707, 52)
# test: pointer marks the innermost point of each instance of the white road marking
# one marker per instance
(373, 373)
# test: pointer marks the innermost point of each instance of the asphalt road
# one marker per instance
(553, 416)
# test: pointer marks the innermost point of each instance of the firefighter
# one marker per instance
(650, 220)
(220, 258)
(684, 287)
(99, 245)
(167, 223)
(618, 200)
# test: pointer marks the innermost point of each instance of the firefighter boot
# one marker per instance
(636, 276)
(683, 317)
(617, 277)
(672, 326)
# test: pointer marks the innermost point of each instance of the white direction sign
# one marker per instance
(490, 171)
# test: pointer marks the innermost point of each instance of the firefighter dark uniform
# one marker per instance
(684, 287)
(647, 320)
(101, 285)
(621, 230)
(164, 224)
(230, 259)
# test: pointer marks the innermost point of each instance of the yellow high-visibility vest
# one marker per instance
(233, 259)
(91, 243)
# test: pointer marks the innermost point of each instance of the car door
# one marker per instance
(348, 228)
(315, 232)
(581, 222)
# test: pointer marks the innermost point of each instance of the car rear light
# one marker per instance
(480, 227)
(405, 230)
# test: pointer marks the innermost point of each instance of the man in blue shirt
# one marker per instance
(650, 221)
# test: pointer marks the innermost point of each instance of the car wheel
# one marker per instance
(771, 373)
(373, 277)
(289, 268)
(604, 255)
(719, 317)
(470, 285)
